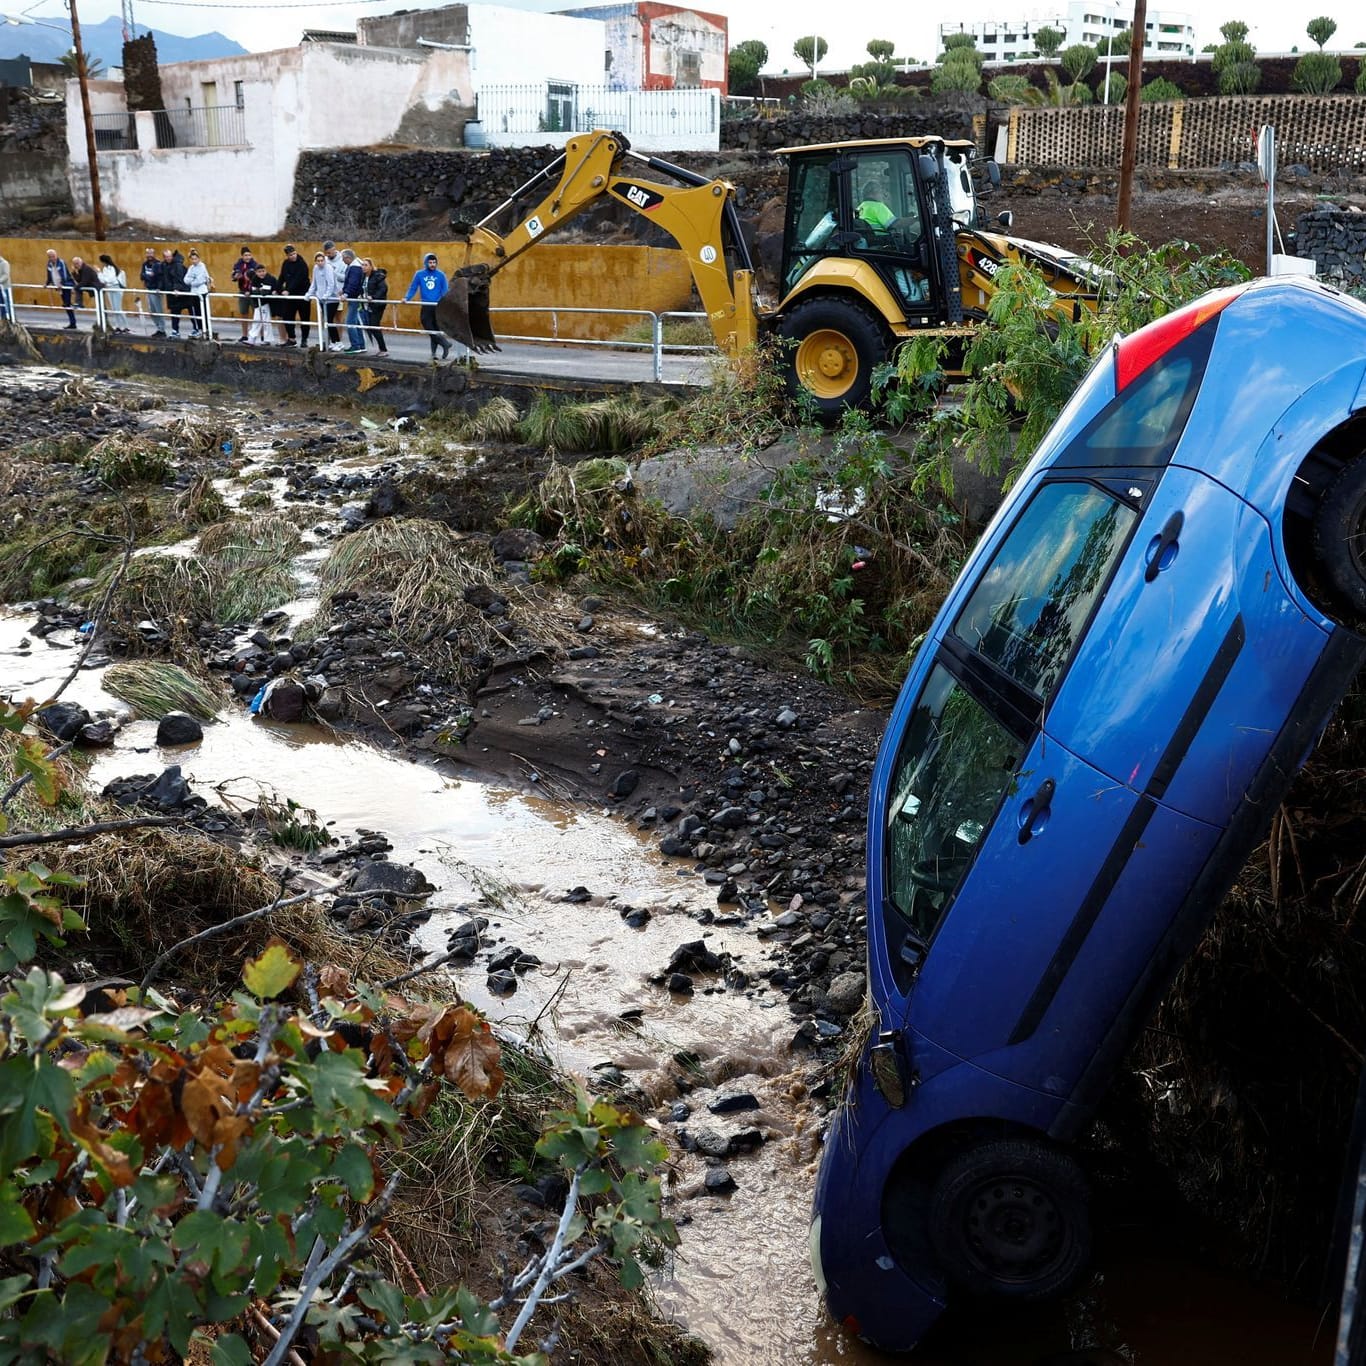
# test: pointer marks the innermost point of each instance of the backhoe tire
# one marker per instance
(832, 348)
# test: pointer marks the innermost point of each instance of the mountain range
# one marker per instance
(105, 41)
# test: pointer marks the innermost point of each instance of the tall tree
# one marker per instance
(1048, 39)
(811, 50)
(1321, 29)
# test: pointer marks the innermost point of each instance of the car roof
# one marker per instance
(929, 140)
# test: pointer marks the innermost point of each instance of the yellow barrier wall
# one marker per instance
(555, 274)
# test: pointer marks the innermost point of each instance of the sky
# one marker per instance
(847, 26)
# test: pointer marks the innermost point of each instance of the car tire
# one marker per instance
(833, 347)
(1340, 537)
(1009, 1220)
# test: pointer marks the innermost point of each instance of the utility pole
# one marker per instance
(96, 207)
(1131, 104)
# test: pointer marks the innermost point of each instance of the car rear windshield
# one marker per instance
(1143, 424)
(955, 763)
(1030, 607)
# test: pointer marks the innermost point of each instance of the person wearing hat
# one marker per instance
(430, 285)
(290, 305)
(263, 288)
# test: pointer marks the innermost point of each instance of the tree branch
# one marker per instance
(571, 1203)
(215, 930)
(82, 832)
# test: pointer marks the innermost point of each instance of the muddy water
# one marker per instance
(741, 1280)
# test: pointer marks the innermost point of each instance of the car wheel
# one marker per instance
(1340, 536)
(833, 347)
(1009, 1220)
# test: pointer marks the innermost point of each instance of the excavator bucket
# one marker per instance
(463, 315)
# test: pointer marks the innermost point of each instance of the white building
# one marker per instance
(1167, 33)
(220, 158)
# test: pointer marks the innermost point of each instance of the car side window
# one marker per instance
(956, 762)
(1030, 607)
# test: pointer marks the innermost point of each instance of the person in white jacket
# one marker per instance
(323, 287)
(5, 281)
(112, 283)
(199, 282)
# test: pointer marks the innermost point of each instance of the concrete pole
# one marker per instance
(1130, 153)
(96, 207)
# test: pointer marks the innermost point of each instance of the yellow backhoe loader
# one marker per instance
(882, 241)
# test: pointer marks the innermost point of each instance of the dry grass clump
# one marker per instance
(423, 570)
(200, 505)
(202, 436)
(619, 423)
(123, 460)
(144, 891)
(496, 421)
(153, 687)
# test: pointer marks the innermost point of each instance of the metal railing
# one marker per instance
(143, 312)
(115, 132)
(546, 107)
(210, 125)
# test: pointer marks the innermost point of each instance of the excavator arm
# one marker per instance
(698, 214)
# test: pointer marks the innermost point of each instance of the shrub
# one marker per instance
(1048, 39)
(1161, 89)
(1317, 73)
(956, 77)
(1014, 90)
(1078, 60)
(1240, 78)
(1361, 80)
(1119, 87)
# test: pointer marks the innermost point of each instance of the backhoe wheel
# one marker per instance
(1009, 1220)
(833, 347)
(1340, 537)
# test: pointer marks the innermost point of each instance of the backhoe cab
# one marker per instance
(883, 241)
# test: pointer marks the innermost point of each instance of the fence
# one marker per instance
(191, 317)
(115, 132)
(563, 107)
(1324, 133)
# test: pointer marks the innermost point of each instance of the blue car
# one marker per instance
(1138, 656)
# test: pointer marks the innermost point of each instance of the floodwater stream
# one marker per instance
(740, 1280)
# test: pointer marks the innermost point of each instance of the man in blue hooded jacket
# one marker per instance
(430, 285)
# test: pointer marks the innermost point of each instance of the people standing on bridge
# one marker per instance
(85, 281)
(322, 287)
(6, 307)
(338, 268)
(374, 291)
(173, 283)
(113, 281)
(431, 285)
(150, 274)
(352, 279)
(198, 282)
(264, 287)
(244, 277)
(291, 304)
(59, 278)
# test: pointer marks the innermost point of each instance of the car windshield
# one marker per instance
(1032, 604)
(955, 763)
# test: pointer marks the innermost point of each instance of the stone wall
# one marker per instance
(141, 74)
(1336, 239)
(33, 188)
(958, 117)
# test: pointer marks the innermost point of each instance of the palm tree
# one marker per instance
(94, 68)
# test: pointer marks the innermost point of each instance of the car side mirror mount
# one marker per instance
(1006, 219)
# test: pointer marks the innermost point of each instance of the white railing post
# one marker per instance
(99, 309)
(207, 304)
(657, 336)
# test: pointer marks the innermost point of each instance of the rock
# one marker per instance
(170, 790)
(353, 515)
(679, 1111)
(502, 983)
(730, 818)
(285, 700)
(626, 783)
(718, 1181)
(576, 896)
(65, 719)
(845, 994)
(179, 728)
(484, 597)
(390, 879)
(635, 916)
(787, 718)
(331, 705)
(673, 845)
(583, 652)
(679, 983)
(97, 735)
(517, 543)
(385, 500)
(733, 1102)
(694, 956)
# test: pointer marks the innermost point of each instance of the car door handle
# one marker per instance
(1163, 547)
(1035, 810)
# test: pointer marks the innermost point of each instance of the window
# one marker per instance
(559, 107)
(955, 764)
(813, 211)
(238, 97)
(1031, 606)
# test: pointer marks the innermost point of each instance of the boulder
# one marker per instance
(179, 728)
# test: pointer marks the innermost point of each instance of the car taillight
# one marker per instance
(1143, 348)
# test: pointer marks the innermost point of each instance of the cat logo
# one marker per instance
(639, 197)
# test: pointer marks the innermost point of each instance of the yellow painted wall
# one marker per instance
(555, 274)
